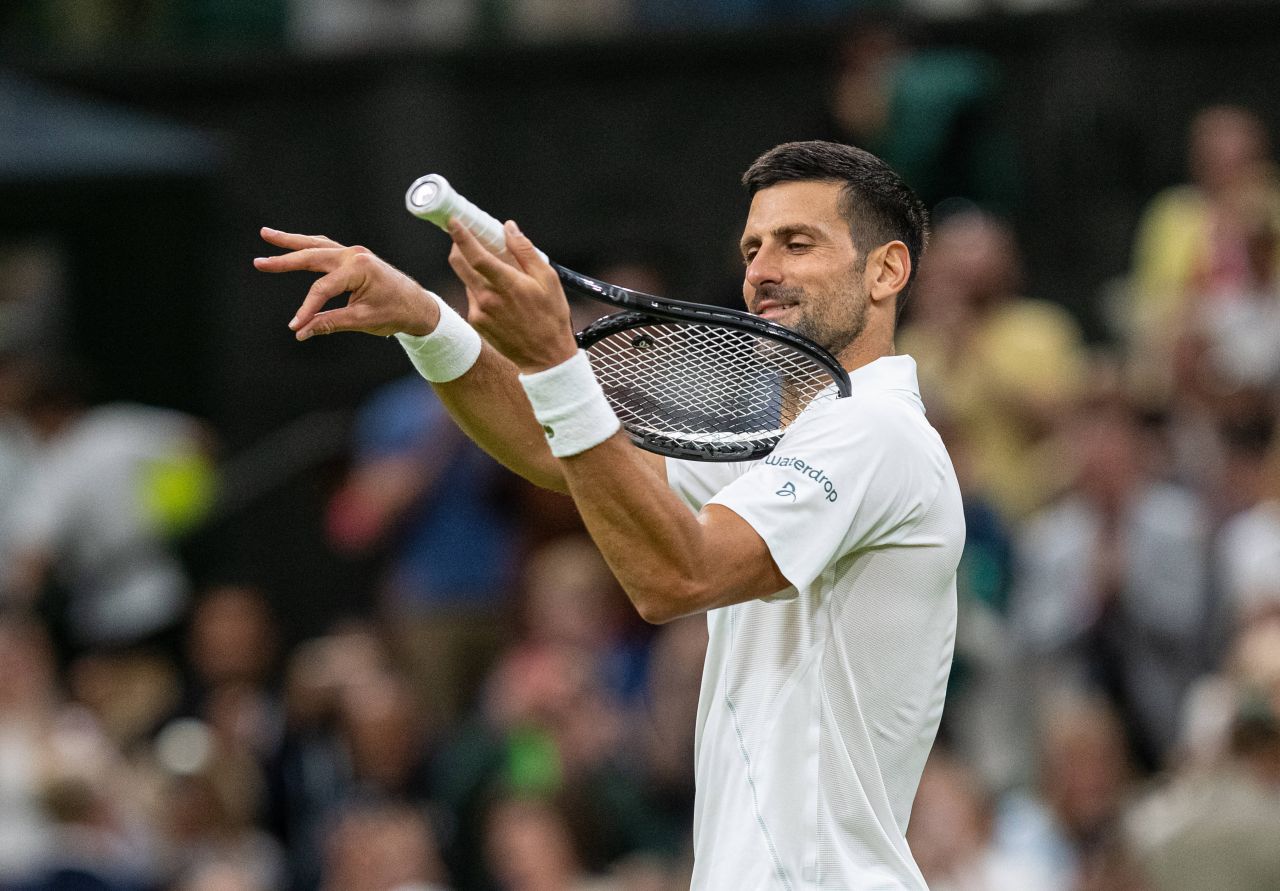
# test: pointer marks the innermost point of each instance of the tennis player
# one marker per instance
(826, 570)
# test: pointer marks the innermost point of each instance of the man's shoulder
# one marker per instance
(890, 418)
(877, 442)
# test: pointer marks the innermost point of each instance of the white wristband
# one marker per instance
(446, 353)
(570, 405)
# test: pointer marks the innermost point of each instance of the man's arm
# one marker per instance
(487, 402)
(670, 562)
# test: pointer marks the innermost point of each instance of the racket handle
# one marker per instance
(431, 198)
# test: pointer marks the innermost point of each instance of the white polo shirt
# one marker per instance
(819, 704)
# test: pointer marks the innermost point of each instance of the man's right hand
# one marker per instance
(383, 301)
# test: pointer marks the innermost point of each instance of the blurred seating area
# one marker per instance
(344, 25)
(481, 709)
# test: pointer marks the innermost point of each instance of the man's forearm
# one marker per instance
(490, 406)
(670, 561)
(648, 537)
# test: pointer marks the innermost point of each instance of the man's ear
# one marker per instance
(888, 270)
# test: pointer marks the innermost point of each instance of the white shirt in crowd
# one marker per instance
(819, 704)
(84, 501)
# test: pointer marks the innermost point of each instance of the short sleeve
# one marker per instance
(849, 475)
(696, 482)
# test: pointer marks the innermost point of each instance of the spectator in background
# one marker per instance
(1241, 320)
(552, 723)
(1216, 824)
(231, 649)
(931, 113)
(18, 444)
(1247, 551)
(1001, 370)
(1193, 242)
(1111, 589)
(1248, 679)
(30, 708)
(1205, 327)
(32, 299)
(354, 731)
(101, 837)
(432, 502)
(530, 847)
(1210, 413)
(94, 534)
(32, 323)
(1204, 263)
(572, 601)
(110, 489)
(220, 877)
(1063, 824)
(382, 846)
(951, 834)
(207, 800)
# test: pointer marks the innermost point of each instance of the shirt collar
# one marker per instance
(886, 373)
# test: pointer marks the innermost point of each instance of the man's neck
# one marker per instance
(866, 350)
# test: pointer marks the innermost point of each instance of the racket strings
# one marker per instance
(715, 391)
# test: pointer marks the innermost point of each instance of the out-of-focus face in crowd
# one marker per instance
(232, 637)
(1228, 149)
(1084, 766)
(529, 846)
(381, 848)
(971, 265)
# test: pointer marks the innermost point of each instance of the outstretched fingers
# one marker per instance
(315, 259)
(294, 241)
(312, 253)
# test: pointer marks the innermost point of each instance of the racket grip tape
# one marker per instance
(431, 198)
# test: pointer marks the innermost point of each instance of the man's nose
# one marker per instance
(763, 269)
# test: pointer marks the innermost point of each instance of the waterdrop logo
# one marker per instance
(787, 491)
(806, 470)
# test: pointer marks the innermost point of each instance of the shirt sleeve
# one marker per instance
(850, 475)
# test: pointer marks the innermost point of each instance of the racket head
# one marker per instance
(707, 392)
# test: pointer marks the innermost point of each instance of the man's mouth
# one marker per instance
(768, 309)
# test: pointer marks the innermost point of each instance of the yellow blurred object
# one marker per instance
(1022, 364)
(177, 492)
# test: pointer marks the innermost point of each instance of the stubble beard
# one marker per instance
(833, 320)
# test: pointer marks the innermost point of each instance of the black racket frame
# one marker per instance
(640, 309)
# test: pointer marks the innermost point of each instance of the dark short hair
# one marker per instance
(876, 203)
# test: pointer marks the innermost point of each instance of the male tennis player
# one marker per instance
(827, 570)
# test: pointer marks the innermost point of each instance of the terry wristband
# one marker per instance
(446, 353)
(569, 404)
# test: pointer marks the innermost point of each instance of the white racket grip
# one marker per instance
(431, 198)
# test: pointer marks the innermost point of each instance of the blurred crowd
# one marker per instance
(325, 26)
(1114, 720)
(502, 720)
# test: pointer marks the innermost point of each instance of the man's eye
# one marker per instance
(748, 257)
(798, 245)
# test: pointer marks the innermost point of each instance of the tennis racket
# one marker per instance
(686, 380)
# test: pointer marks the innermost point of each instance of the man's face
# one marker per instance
(803, 271)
